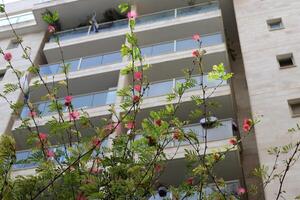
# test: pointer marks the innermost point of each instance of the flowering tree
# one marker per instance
(132, 166)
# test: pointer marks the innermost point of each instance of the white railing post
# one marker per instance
(175, 44)
(79, 63)
(175, 13)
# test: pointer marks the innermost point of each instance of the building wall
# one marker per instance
(271, 87)
(35, 42)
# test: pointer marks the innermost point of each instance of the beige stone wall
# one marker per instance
(33, 40)
(271, 87)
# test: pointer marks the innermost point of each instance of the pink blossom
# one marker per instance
(50, 154)
(96, 170)
(96, 142)
(241, 191)
(137, 76)
(32, 114)
(130, 125)
(196, 37)
(135, 98)
(158, 168)
(68, 100)
(190, 181)
(233, 141)
(158, 122)
(132, 14)
(74, 115)
(7, 56)
(176, 135)
(195, 53)
(137, 88)
(43, 136)
(80, 196)
(51, 29)
(247, 125)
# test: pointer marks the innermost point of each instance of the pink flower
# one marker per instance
(96, 170)
(176, 135)
(111, 126)
(135, 98)
(247, 125)
(190, 181)
(195, 53)
(7, 56)
(158, 168)
(80, 196)
(132, 14)
(130, 125)
(74, 115)
(50, 154)
(51, 29)
(32, 114)
(137, 88)
(233, 141)
(68, 100)
(196, 37)
(158, 122)
(96, 142)
(43, 136)
(241, 191)
(137, 76)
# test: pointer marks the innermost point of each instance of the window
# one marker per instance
(14, 43)
(275, 24)
(294, 107)
(286, 60)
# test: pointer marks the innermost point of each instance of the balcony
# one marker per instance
(111, 34)
(230, 189)
(120, 25)
(79, 102)
(22, 156)
(147, 51)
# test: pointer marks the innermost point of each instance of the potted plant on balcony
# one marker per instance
(208, 122)
(52, 19)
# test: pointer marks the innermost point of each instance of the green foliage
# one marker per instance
(2, 8)
(123, 7)
(50, 18)
(218, 73)
(10, 88)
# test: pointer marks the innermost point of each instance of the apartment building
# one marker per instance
(249, 36)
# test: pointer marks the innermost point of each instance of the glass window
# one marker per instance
(82, 102)
(90, 62)
(275, 24)
(112, 58)
(49, 69)
(163, 49)
(157, 89)
(99, 99)
(286, 60)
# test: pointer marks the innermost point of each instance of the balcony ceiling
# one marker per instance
(75, 12)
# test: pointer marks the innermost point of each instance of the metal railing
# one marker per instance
(79, 102)
(142, 20)
(147, 51)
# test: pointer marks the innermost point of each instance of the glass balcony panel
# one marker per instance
(99, 99)
(156, 17)
(111, 26)
(25, 18)
(73, 65)
(162, 49)
(210, 40)
(22, 155)
(91, 62)
(111, 97)
(112, 58)
(213, 83)
(71, 34)
(25, 112)
(82, 101)
(198, 9)
(162, 88)
(41, 107)
(187, 44)
(49, 69)
(147, 51)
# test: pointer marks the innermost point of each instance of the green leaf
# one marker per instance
(10, 87)
(2, 8)
(123, 7)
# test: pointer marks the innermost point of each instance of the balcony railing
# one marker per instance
(167, 86)
(23, 156)
(230, 189)
(142, 20)
(15, 19)
(78, 102)
(147, 51)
